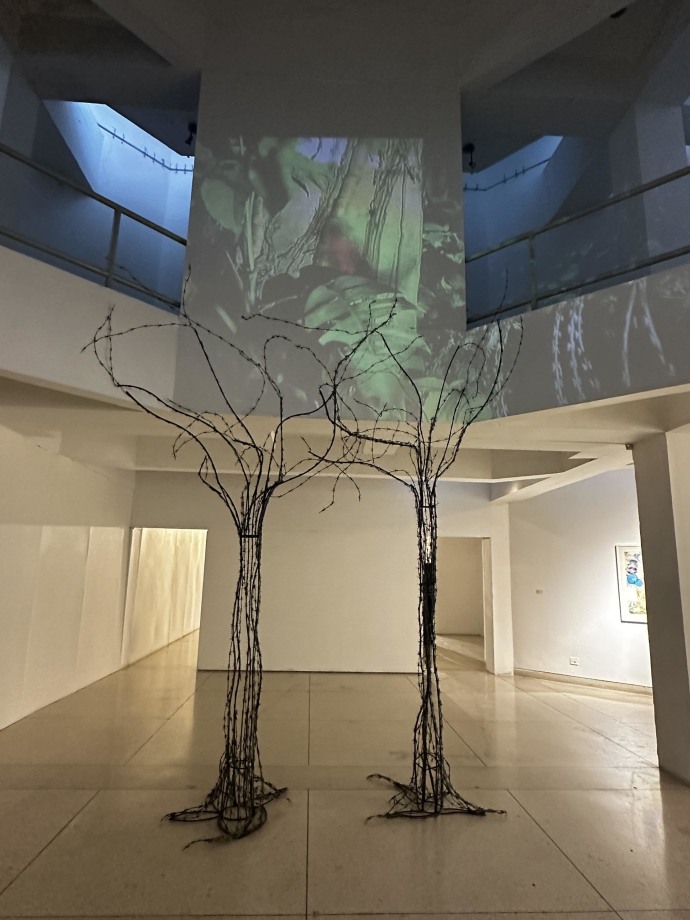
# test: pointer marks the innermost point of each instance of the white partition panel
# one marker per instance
(100, 632)
(51, 658)
(19, 553)
(63, 538)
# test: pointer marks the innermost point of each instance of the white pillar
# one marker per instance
(663, 495)
(498, 610)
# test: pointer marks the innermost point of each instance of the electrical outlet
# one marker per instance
(575, 661)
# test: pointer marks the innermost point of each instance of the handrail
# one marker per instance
(578, 215)
(516, 175)
(110, 275)
(538, 295)
(121, 209)
(605, 276)
(144, 152)
(94, 269)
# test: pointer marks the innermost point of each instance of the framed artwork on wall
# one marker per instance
(631, 587)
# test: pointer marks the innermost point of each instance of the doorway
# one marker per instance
(460, 596)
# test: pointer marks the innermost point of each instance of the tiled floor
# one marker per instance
(591, 830)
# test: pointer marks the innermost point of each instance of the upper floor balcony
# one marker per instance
(628, 235)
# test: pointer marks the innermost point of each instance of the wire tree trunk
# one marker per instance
(428, 431)
(238, 799)
(262, 465)
(428, 762)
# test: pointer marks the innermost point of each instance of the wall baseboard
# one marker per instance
(584, 681)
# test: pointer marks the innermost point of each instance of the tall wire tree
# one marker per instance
(415, 437)
(266, 463)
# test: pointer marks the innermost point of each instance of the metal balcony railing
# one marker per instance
(624, 237)
(54, 218)
(49, 216)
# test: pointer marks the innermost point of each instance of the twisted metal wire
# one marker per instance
(237, 802)
(429, 433)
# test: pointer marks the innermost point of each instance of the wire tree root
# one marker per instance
(408, 802)
(233, 820)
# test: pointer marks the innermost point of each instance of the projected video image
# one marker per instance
(316, 230)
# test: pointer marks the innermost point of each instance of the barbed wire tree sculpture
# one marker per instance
(264, 466)
(424, 421)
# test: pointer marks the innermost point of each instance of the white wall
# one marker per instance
(164, 589)
(565, 591)
(629, 338)
(304, 108)
(47, 316)
(64, 542)
(460, 598)
(495, 212)
(339, 588)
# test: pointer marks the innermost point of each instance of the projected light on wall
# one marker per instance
(316, 230)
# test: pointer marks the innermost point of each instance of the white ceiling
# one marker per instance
(525, 69)
(523, 455)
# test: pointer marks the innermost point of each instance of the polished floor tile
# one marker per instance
(654, 914)
(213, 916)
(625, 710)
(42, 739)
(370, 742)
(452, 864)
(567, 915)
(318, 776)
(553, 743)
(121, 700)
(592, 824)
(638, 738)
(471, 648)
(280, 681)
(292, 705)
(118, 858)
(356, 706)
(362, 683)
(30, 819)
(186, 740)
(634, 846)
(501, 707)
(478, 683)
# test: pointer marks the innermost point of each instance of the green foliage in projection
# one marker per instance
(328, 233)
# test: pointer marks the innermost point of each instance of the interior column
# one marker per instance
(498, 610)
(663, 495)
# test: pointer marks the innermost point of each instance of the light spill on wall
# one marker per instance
(164, 589)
